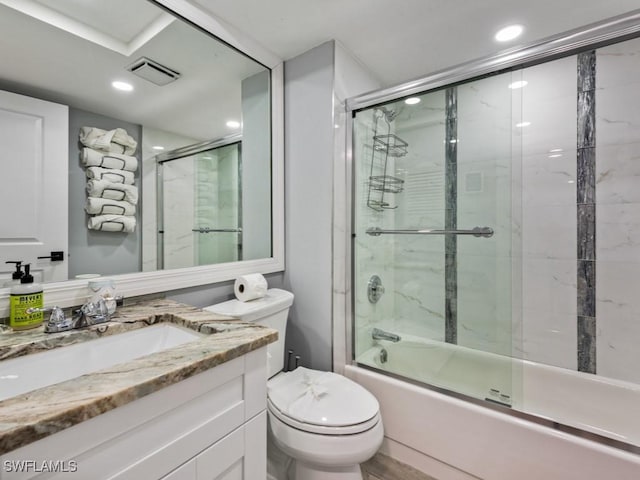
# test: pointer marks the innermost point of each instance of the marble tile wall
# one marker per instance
(372, 255)
(179, 213)
(419, 289)
(484, 200)
(549, 226)
(530, 291)
(617, 224)
(169, 141)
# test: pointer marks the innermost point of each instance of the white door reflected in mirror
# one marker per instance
(34, 139)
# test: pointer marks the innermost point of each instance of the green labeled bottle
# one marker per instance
(22, 297)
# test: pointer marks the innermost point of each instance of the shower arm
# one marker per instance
(476, 232)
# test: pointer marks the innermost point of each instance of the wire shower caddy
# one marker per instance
(380, 182)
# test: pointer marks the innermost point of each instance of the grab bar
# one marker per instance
(476, 232)
(214, 230)
(378, 334)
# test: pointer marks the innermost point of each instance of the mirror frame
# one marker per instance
(74, 292)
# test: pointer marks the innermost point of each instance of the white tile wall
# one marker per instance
(541, 231)
(549, 229)
(618, 211)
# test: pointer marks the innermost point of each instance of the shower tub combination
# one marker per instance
(458, 326)
(552, 393)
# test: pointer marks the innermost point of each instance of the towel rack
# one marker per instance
(217, 230)
(476, 232)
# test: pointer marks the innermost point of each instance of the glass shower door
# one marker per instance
(200, 208)
(218, 235)
(433, 250)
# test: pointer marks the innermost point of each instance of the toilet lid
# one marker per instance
(321, 398)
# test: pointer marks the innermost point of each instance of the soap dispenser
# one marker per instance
(16, 276)
(22, 297)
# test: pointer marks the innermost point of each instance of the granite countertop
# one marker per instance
(34, 415)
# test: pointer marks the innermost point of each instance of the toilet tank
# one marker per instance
(272, 311)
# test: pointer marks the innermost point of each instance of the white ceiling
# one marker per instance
(399, 40)
(70, 51)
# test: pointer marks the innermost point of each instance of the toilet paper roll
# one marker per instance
(249, 287)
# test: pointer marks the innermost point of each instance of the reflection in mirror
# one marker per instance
(186, 88)
(199, 205)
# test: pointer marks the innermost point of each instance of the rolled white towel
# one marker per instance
(112, 223)
(113, 191)
(94, 158)
(116, 141)
(106, 206)
(111, 175)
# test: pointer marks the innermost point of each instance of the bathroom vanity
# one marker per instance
(191, 411)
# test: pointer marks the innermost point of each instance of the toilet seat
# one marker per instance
(321, 402)
(322, 430)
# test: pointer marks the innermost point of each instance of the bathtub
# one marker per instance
(565, 432)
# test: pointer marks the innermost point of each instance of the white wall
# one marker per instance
(351, 78)
(316, 85)
(308, 94)
(256, 167)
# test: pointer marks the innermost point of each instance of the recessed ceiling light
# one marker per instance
(412, 100)
(523, 124)
(555, 155)
(554, 150)
(124, 86)
(571, 181)
(158, 147)
(509, 33)
(233, 124)
(518, 84)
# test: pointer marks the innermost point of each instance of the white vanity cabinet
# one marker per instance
(208, 426)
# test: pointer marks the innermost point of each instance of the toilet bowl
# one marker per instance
(324, 421)
(321, 425)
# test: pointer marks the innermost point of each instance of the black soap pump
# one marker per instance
(16, 276)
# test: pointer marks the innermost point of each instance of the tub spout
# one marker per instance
(378, 334)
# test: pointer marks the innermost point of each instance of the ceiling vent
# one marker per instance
(153, 71)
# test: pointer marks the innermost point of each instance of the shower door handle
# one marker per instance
(476, 232)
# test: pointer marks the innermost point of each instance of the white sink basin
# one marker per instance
(30, 372)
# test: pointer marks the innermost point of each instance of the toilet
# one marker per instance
(321, 425)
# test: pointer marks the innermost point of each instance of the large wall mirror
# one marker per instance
(134, 144)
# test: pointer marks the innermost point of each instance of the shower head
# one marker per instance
(389, 115)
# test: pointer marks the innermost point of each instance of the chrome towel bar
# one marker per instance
(476, 232)
(214, 230)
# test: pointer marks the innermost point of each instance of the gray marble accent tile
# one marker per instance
(586, 212)
(587, 344)
(451, 100)
(586, 119)
(586, 232)
(451, 297)
(451, 214)
(586, 288)
(586, 176)
(587, 71)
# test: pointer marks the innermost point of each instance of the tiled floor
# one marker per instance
(382, 467)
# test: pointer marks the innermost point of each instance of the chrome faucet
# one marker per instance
(378, 334)
(57, 321)
(91, 313)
